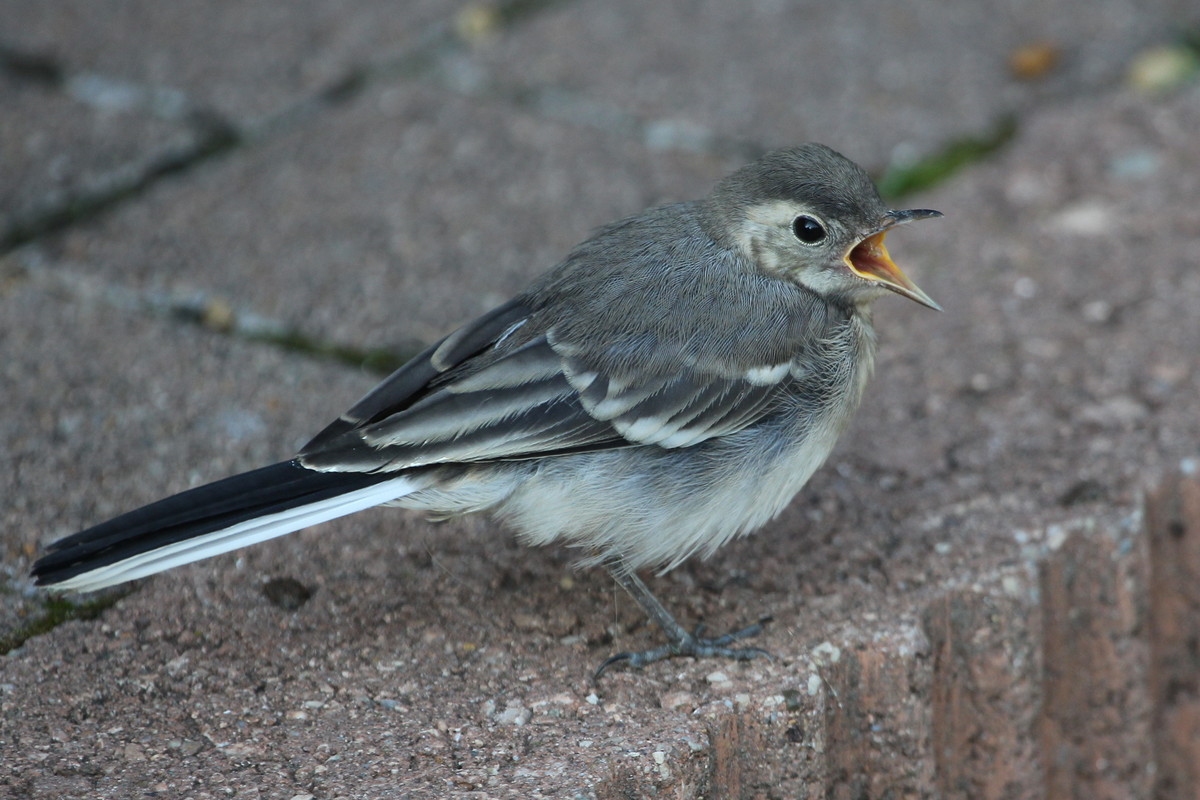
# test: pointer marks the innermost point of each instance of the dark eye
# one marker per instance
(808, 230)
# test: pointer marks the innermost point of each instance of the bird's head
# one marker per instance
(814, 217)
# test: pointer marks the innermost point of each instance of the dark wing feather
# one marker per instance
(528, 397)
(411, 381)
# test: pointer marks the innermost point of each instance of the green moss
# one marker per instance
(373, 359)
(56, 610)
(908, 178)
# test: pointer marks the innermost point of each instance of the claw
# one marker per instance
(696, 646)
(608, 662)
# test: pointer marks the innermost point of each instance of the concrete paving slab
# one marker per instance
(141, 408)
(438, 661)
(105, 411)
(55, 148)
(1079, 288)
(388, 221)
(243, 60)
(995, 469)
(876, 79)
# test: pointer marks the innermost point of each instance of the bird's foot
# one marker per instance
(696, 645)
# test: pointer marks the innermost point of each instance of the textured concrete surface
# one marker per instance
(971, 599)
(406, 191)
(55, 147)
(880, 79)
(245, 61)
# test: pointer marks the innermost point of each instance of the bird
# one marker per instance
(668, 386)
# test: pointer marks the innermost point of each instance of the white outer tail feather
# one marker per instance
(242, 534)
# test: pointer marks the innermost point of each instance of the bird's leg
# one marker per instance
(679, 641)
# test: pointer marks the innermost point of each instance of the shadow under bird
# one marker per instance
(670, 385)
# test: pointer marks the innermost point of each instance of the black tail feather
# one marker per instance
(193, 513)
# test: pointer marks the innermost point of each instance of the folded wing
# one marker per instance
(501, 389)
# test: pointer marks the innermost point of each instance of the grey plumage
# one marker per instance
(671, 384)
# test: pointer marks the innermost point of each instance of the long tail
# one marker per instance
(209, 520)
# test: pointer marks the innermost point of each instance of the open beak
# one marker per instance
(869, 259)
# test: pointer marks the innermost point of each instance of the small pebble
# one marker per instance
(477, 22)
(1025, 287)
(679, 700)
(1098, 311)
(827, 651)
(1134, 165)
(1084, 219)
(1160, 69)
(1034, 61)
(513, 715)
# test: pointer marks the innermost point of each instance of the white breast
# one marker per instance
(655, 507)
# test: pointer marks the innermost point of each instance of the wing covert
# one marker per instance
(488, 393)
